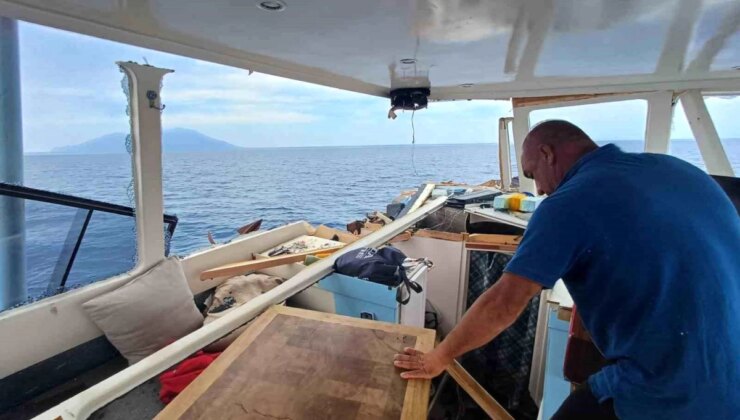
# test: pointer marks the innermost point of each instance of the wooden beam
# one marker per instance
(445, 236)
(402, 237)
(495, 239)
(479, 394)
(490, 242)
(560, 99)
(326, 232)
(489, 247)
(242, 267)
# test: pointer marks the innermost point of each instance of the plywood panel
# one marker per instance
(296, 364)
(444, 288)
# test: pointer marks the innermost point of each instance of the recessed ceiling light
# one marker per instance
(408, 60)
(467, 85)
(272, 5)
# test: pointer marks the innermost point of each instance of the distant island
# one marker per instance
(174, 140)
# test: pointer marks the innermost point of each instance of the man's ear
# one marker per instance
(547, 153)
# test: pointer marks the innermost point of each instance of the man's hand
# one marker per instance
(420, 365)
(496, 309)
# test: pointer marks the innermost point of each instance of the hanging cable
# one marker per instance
(413, 143)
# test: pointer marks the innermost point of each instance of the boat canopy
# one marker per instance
(463, 49)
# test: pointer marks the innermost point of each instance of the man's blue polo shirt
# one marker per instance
(649, 248)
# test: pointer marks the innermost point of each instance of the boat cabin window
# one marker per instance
(724, 112)
(621, 123)
(67, 199)
(279, 139)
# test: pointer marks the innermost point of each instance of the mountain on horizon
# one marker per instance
(173, 140)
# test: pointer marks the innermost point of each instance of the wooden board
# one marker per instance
(479, 394)
(242, 267)
(546, 100)
(331, 233)
(445, 236)
(296, 364)
(493, 242)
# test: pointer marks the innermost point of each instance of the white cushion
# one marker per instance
(231, 294)
(148, 313)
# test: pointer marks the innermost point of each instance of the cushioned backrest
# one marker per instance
(151, 311)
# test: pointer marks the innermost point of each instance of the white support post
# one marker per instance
(504, 152)
(521, 128)
(705, 134)
(146, 133)
(12, 210)
(658, 125)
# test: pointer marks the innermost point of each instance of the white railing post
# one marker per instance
(146, 139)
(658, 125)
(520, 127)
(504, 152)
(705, 134)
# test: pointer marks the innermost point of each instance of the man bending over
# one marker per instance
(649, 248)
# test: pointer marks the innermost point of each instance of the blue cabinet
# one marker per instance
(556, 388)
(360, 298)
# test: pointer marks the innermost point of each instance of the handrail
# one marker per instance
(70, 200)
(77, 231)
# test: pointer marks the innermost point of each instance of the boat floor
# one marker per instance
(58, 394)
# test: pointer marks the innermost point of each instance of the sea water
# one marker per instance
(218, 192)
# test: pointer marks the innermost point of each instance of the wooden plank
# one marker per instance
(479, 394)
(495, 239)
(403, 237)
(299, 364)
(564, 314)
(180, 404)
(372, 227)
(483, 246)
(445, 236)
(242, 267)
(546, 100)
(492, 242)
(326, 232)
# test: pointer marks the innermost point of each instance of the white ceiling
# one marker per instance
(504, 47)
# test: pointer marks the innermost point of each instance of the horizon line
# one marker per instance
(51, 152)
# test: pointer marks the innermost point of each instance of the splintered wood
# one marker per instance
(296, 364)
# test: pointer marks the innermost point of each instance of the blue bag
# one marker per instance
(384, 266)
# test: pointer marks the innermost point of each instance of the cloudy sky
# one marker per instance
(71, 93)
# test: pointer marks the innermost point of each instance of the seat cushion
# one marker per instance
(147, 313)
(231, 294)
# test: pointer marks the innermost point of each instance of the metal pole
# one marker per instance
(12, 217)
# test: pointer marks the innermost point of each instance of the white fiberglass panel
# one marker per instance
(605, 38)
(715, 44)
(503, 48)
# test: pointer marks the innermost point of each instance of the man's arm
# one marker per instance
(494, 311)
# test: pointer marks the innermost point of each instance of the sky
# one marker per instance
(71, 93)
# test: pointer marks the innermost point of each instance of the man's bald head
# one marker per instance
(556, 133)
(550, 149)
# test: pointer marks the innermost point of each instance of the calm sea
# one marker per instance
(219, 192)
